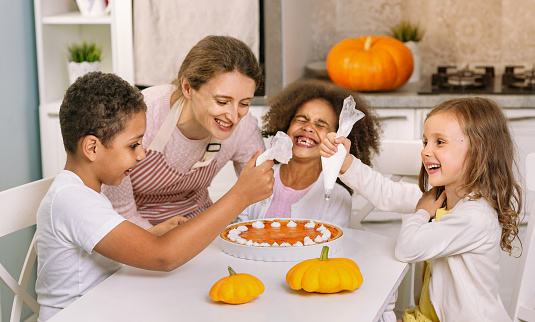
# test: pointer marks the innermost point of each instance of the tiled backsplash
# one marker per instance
(458, 32)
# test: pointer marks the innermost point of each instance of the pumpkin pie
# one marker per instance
(281, 232)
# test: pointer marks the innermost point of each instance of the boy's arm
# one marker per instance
(122, 199)
(134, 246)
(167, 225)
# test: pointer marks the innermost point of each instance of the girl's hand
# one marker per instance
(430, 203)
(328, 148)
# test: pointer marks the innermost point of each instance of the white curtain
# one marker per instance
(165, 30)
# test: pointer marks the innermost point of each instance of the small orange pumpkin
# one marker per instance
(236, 288)
(325, 275)
(371, 63)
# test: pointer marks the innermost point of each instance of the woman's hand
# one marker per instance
(328, 148)
(430, 203)
(255, 183)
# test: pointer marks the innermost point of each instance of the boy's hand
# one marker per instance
(255, 183)
(328, 148)
(167, 225)
(430, 203)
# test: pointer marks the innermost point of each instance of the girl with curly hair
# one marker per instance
(307, 111)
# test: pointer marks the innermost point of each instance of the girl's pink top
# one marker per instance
(283, 199)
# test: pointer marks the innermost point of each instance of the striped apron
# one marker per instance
(161, 191)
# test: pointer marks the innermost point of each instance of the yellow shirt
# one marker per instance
(424, 311)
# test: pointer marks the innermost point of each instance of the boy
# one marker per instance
(80, 239)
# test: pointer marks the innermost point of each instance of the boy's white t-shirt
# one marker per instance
(71, 220)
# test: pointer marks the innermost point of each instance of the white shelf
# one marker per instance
(58, 24)
(75, 18)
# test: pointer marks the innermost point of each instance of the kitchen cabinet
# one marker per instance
(400, 124)
(522, 125)
(58, 23)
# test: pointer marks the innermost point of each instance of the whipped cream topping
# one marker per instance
(258, 224)
(275, 224)
(310, 224)
(308, 241)
(291, 224)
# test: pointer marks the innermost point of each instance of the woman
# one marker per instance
(194, 127)
(307, 111)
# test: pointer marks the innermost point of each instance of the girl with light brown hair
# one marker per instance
(469, 214)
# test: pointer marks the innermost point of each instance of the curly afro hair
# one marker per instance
(365, 135)
(97, 104)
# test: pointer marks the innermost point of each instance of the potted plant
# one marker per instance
(83, 58)
(410, 34)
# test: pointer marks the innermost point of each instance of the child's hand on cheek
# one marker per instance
(430, 203)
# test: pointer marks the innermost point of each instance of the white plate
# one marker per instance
(280, 254)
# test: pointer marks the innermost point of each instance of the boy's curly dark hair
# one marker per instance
(365, 135)
(97, 104)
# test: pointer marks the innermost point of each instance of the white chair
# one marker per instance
(523, 300)
(19, 208)
(398, 159)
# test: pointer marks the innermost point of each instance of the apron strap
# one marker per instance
(211, 150)
(167, 128)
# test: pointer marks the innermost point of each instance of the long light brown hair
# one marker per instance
(214, 55)
(491, 160)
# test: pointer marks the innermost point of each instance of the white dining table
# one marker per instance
(133, 294)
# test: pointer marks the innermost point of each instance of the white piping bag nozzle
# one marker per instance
(331, 168)
(328, 194)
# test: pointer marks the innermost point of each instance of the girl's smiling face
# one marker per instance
(221, 103)
(445, 151)
(309, 126)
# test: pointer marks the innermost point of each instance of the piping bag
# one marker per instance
(280, 150)
(331, 166)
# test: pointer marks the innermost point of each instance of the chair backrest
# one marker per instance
(18, 211)
(523, 300)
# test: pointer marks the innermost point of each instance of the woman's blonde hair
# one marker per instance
(490, 158)
(214, 55)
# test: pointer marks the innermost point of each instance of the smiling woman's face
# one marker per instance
(221, 103)
(309, 126)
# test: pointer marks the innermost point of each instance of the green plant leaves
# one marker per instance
(407, 31)
(84, 51)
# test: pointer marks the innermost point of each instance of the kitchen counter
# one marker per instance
(407, 97)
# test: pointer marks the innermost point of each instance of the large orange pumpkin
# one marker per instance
(371, 63)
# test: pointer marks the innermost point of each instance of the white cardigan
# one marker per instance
(336, 210)
(463, 248)
(382, 192)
